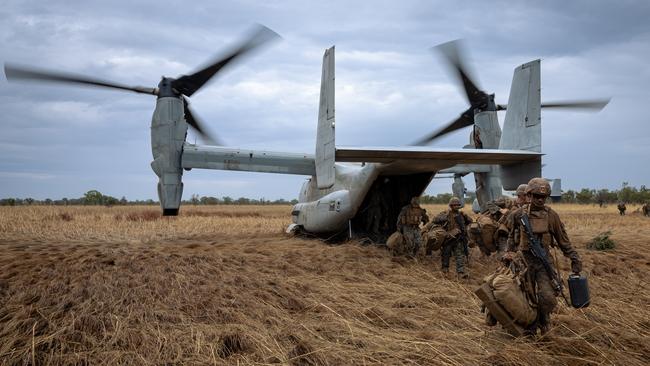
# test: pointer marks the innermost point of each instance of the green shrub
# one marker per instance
(602, 242)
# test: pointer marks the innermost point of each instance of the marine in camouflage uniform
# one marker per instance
(455, 222)
(646, 209)
(548, 228)
(520, 201)
(621, 208)
(499, 212)
(408, 222)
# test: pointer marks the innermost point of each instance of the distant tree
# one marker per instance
(227, 200)
(569, 196)
(242, 201)
(109, 201)
(8, 202)
(627, 193)
(92, 197)
(585, 196)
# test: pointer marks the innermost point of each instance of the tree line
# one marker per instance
(626, 194)
(96, 198)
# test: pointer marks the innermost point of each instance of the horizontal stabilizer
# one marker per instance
(434, 156)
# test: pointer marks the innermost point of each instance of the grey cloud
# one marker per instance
(390, 88)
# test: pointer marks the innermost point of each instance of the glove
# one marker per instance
(576, 267)
(507, 257)
(454, 232)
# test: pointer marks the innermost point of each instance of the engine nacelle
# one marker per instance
(327, 214)
(168, 132)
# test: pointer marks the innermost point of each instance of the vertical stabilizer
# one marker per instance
(325, 148)
(522, 129)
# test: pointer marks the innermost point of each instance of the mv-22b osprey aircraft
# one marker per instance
(351, 191)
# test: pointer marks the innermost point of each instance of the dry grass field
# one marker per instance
(224, 285)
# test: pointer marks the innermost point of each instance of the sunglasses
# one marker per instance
(539, 196)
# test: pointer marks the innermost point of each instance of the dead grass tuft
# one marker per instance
(221, 214)
(142, 216)
(233, 343)
(303, 354)
(66, 216)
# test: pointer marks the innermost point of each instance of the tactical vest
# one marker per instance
(539, 222)
(412, 216)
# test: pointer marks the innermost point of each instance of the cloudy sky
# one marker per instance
(59, 141)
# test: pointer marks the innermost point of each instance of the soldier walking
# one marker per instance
(522, 197)
(621, 208)
(455, 222)
(549, 231)
(646, 209)
(408, 223)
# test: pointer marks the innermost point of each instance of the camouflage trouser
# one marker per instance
(412, 239)
(546, 297)
(456, 248)
(502, 246)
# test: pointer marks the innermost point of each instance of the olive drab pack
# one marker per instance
(474, 234)
(395, 242)
(503, 228)
(483, 232)
(434, 236)
(508, 289)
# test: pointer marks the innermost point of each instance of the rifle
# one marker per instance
(538, 251)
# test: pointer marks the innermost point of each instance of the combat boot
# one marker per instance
(489, 319)
(544, 324)
(463, 275)
(445, 272)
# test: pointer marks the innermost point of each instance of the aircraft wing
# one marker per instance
(516, 165)
(225, 158)
(415, 159)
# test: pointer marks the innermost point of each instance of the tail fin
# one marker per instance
(522, 129)
(325, 147)
(556, 189)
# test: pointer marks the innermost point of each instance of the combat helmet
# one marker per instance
(521, 190)
(454, 201)
(538, 186)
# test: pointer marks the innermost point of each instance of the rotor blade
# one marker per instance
(465, 119)
(453, 54)
(189, 84)
(14, 72)
(191, 120)
(595, 104)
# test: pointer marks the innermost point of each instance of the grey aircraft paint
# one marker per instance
(347, 196)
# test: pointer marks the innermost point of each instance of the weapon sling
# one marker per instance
(538, 251)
